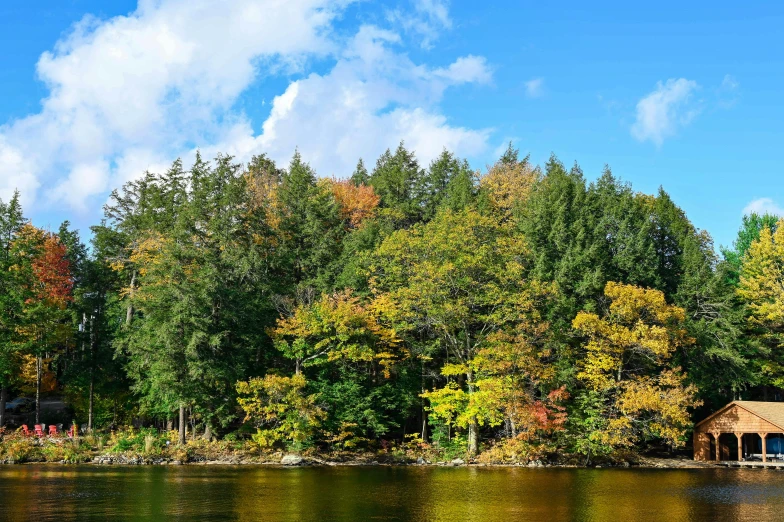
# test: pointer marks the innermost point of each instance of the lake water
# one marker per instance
(198, 493)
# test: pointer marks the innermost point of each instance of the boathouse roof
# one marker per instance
(773, 412)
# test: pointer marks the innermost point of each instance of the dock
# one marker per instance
(751, 464)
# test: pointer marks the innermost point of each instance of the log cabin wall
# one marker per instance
(737, 420)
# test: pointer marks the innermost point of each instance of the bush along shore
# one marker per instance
(148, 446)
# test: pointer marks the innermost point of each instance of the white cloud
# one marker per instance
(467, 69)
(662, 112)
(428, 19)
(91, 178)
(15, 174)
(763, 206)
(728, 92)
(157, 80)
(534, 88)
(133, 92)
(372, 98)
(729, 83)
(436, 11)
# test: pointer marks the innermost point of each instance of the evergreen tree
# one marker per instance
(11, 221)
(360, 175)
(748, 233)
(395, 179)
(310, 228)
(447, 182)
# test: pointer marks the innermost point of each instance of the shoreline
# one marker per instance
(307, 462)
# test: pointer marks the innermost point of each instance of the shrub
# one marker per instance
(513, 451)
(145, 441)
(18, 448)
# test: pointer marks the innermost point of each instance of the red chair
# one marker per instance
(26, 430)
(71, 431)
(39, 430)
(52, 430)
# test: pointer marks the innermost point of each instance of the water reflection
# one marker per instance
(419, 494)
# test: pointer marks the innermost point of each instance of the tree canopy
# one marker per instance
(518, 311)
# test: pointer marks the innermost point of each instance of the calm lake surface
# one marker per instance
(197, 493)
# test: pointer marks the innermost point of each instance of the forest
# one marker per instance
(518, 311)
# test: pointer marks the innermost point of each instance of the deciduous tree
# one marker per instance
(626, 369)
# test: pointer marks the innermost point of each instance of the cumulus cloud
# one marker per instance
(664, 111)
(133, 92)
(15, 174)
(534, 88)
(369, 100)
(763, 206)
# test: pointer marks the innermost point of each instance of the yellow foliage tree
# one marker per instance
(280, 408)
(626, 368)
(461, 281)
(336, 327)
(508, 184)
(762, 288)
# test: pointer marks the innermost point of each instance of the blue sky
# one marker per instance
(684, 95)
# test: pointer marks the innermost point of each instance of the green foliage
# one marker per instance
(144, 441)
(587, 424)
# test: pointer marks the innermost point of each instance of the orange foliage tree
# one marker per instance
(357, 202)
(44, 273)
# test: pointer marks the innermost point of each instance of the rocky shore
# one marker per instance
(293, 460)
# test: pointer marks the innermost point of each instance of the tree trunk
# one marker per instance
(473, 425)
(423, 411)
(129, 311)
(92, 373)
(3, 399)
(183, 424)
(207, 432)
(473, 437)
(90, 407)
(38, 364)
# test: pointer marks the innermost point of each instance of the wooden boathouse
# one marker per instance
(742, 431)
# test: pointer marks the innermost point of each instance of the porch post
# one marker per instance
(718, 446)
(764, 436)
(740, 446)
